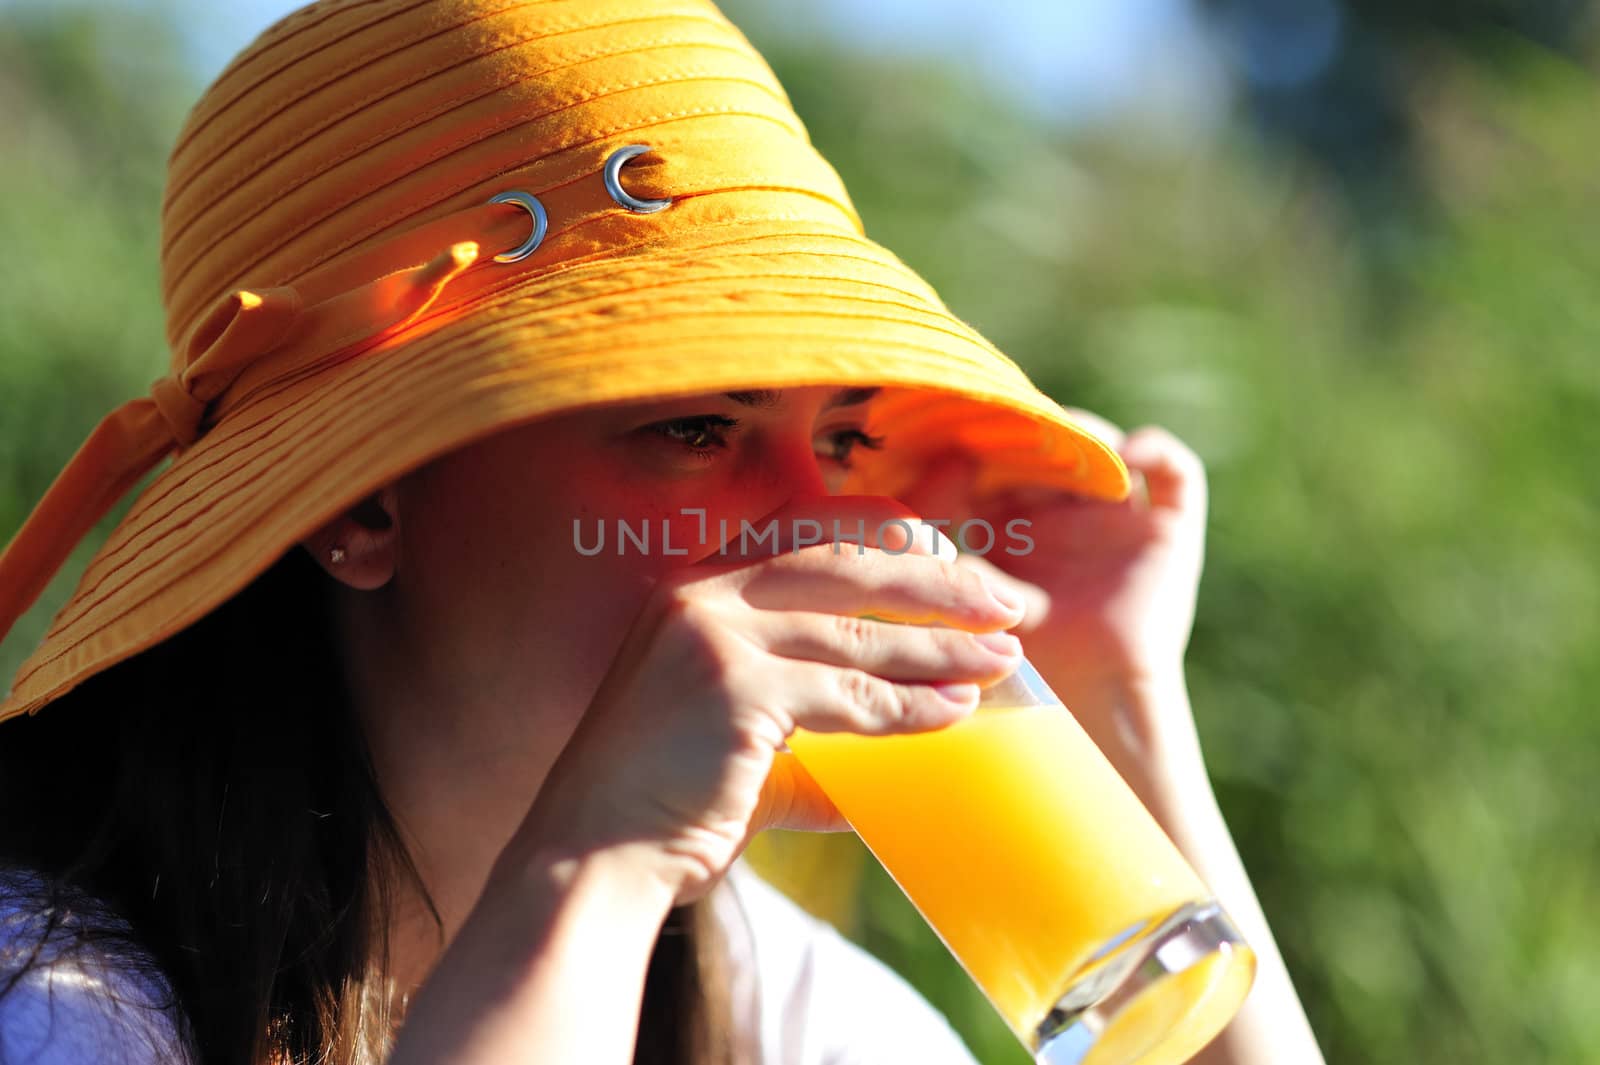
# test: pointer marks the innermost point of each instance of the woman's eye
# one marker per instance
(846, 441)
(701, 435)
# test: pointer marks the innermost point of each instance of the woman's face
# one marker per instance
(513, 583)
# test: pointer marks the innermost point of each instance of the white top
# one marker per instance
(805, 995)
(802, 993)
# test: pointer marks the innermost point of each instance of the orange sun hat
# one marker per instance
(392, 228)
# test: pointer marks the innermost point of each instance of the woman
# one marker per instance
(370, 757)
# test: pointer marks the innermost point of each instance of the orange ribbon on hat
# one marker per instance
(334, 311)
(244, 327)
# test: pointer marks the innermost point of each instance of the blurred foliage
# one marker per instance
(1395, 642)
(1394, 650)
(1332, 78)
(90, 103)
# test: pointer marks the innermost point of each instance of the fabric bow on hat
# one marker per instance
(270, 328)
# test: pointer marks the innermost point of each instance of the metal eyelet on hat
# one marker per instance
(613, 171)
(541, 223)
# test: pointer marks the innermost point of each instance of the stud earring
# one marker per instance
(336, 554)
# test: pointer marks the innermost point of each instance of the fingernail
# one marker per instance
(999, 642)
(1008, 599)
(960, 694)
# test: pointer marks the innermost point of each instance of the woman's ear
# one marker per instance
(361, 547)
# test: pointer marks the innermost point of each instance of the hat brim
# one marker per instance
(740, 306)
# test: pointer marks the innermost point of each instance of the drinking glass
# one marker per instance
(1045, 876)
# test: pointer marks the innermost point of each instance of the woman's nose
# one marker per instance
(790, 471)
(804, 473)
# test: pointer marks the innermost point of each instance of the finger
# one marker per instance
(1072, 529)
(919, 589)
(894, 652)
(851, 522)
(830, 699)
(1174, 476)
(1035, 600)
(1097, 425)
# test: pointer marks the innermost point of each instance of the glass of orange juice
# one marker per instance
(1045, 876)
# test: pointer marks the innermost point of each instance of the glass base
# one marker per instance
(1154, 995)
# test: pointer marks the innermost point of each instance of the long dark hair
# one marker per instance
(211, 803)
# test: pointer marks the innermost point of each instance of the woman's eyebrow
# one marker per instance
(766, 398)
(763, 398)
(849, 397)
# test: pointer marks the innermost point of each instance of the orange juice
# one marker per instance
(1017, 841)
(1172, 1021)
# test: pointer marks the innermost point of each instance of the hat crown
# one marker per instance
(347, 122)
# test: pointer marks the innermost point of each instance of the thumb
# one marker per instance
(791, 799)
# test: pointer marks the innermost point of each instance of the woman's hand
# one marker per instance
(679, 758)
(1110, 592)
(1110, 589)
(678, 761)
